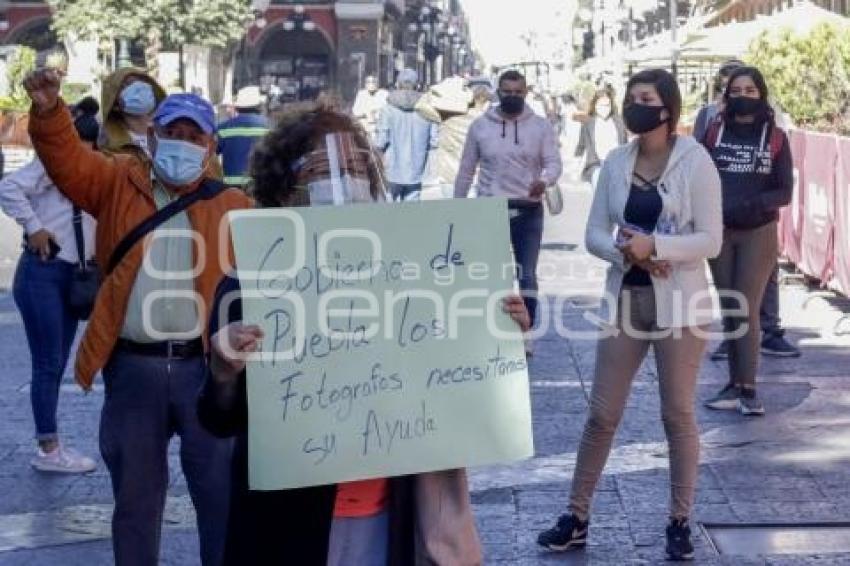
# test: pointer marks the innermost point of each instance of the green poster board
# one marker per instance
(386, 351)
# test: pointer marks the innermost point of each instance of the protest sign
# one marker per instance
(386, 350)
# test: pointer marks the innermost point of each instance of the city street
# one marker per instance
(788, 467)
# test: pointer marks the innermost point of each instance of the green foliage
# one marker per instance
(73, 92)
(808, 75)
(21, 63)
(212, 23)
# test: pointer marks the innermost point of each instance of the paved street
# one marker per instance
(791, 466)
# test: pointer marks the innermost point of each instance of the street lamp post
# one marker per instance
(674, 48)
(430, 30)
(298, 20)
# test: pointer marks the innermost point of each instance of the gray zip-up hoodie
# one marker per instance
(512, 154)
(690, 231)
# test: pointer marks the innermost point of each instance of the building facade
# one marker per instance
(300, 49)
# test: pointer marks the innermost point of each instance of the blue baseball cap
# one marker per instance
(185, 105)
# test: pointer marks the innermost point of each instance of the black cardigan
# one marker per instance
(278, 528)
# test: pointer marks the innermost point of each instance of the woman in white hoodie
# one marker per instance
(661, 195)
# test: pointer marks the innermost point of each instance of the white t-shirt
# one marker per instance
(140, 140)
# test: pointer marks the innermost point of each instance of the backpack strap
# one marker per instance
(777, 142)
(209, 189)
(713, 133)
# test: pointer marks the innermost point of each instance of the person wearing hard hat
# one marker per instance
(237, 136)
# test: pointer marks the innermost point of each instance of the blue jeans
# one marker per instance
(40, 291)
(526, 237)
(400, 192)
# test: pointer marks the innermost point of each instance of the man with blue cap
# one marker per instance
(162, 253)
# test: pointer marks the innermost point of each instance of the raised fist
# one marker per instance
(43, 85)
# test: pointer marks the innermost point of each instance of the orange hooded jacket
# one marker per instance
(117, 191)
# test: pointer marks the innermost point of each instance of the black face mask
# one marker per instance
(746, 106)
(511, 105)
(640, 118)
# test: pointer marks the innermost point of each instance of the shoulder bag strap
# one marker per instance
(78, 237)
(210, 188)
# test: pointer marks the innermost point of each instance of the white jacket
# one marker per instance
(513, 153)
(30, 197)
(690, 230)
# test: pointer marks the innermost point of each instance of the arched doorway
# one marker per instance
(297, 64)
(37, 35)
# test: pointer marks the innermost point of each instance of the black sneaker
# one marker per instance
(726, 399)
(569, 532)
(777, 346)
(679, 545)
(722, 352)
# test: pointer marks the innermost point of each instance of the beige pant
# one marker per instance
(678, 353)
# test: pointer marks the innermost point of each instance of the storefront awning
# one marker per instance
(733, 40)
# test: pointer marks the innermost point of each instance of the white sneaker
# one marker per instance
(62, 460)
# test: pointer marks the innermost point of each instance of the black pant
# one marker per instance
(149, 400)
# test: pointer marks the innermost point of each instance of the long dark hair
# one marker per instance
(760, 83)
(607, 92)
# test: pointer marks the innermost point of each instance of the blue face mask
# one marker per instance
(138, 99)
(178, 163)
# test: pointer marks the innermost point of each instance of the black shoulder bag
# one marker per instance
(87, 276)
(209, 189)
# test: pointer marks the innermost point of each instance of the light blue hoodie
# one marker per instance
(405, 138)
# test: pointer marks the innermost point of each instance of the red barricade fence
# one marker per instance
(818, 206)
(791, 217)
(814, 230)
(841, 280)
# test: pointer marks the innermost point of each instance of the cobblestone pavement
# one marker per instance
(791, 466)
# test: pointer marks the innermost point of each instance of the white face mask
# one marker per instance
(603, 111)
(342, 190)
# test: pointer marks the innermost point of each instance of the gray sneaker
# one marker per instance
(749, 404)
(726, 400)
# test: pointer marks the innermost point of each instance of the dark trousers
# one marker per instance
(149, 400)
(771, 324)
(526, 237)
(41, 294)
(400, 192)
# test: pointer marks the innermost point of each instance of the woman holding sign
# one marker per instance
(661, 194)
(321, 157)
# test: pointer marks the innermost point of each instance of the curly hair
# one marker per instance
(298, 132)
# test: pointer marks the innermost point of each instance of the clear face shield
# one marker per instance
(338, 172)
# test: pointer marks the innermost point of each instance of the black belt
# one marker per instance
(179, 349)
(522, 203)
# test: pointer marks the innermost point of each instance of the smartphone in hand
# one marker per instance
(621, 238)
